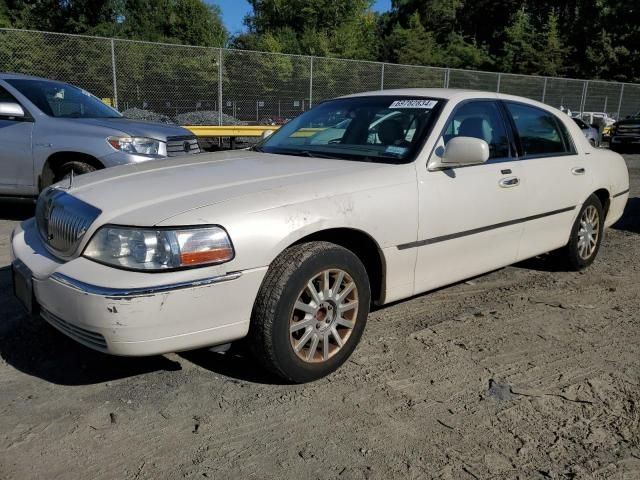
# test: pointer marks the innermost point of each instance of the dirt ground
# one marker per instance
(526, 372)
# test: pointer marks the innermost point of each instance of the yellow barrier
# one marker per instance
(230, 131)
(244, 130)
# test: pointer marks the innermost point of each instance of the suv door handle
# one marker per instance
(578, 170)
(509, 182)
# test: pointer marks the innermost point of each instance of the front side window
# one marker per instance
(481, 120)
(62, 100)
(539, 131)
(387, 129)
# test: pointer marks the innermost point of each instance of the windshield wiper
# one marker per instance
(306, 153)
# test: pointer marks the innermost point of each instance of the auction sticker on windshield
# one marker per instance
(426, 104)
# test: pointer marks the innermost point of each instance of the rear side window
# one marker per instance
(539, 131)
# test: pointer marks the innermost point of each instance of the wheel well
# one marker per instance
(364, 247)
(604, 197)
(56, 160)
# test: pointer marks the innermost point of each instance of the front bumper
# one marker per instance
(133, 313)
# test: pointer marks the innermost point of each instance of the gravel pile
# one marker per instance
(146, 115)
(206, 117)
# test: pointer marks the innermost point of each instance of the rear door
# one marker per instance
(468, 215)
(16, 160)
(558, 180)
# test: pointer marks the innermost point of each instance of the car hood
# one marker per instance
(145, 194)
(137, 128)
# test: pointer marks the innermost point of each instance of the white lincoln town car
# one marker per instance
(362, 200)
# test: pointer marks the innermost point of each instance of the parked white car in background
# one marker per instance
(290, 244)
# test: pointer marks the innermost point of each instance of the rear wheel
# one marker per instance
(586, 235)
(310, 312)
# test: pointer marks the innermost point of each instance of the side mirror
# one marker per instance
(460, 152)
(11, 110)
(266, 134)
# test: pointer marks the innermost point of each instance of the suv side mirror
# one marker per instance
(11, 110)
(460, 152)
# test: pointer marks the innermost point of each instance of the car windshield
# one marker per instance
(62, 100)
(388, 129)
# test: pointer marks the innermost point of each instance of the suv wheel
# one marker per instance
(310, 312)
(78, 168)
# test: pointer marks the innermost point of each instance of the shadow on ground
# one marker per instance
(16, 209)
(237, 364)
(37, 349)
(630, 221)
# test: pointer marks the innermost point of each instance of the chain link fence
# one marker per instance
(192, 85)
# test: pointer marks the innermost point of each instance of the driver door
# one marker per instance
(16, 160)
(468, 216)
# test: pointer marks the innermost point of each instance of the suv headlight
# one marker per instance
(149, 249)
(137, 145)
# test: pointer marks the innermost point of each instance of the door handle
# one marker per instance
(509, 182)
(578, 170)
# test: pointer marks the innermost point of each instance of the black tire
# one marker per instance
(270, 338)
(78, 168)
(571, 254)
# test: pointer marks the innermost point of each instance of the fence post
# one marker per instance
(382, 78)
(113, 69)
(620, 102)
(544, 89)
(585, 89)
(310, 81)
(499, 80)
(447, 74)
(220, 87)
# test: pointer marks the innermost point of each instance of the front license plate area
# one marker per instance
(23, 285)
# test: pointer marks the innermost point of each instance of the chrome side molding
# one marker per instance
(117, 293)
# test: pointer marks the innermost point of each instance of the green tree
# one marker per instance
(344, 28)
(413, 45)
(519, 52)
(5, 20)
(553, 57)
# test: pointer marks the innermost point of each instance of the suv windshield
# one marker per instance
(62, 100)
(387, 129)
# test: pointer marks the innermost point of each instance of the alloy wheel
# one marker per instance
(589, 232)
(323, 316)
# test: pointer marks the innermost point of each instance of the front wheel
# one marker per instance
(74, 168)
(310, 312)
(586, 235)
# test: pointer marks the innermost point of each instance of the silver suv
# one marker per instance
(49, 129)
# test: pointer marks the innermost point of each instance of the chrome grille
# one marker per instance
(185, 145)
(628, 130)
(63, 220)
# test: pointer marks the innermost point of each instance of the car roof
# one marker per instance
(454, 94)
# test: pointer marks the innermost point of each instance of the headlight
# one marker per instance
(159, 249)
(138, 145)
